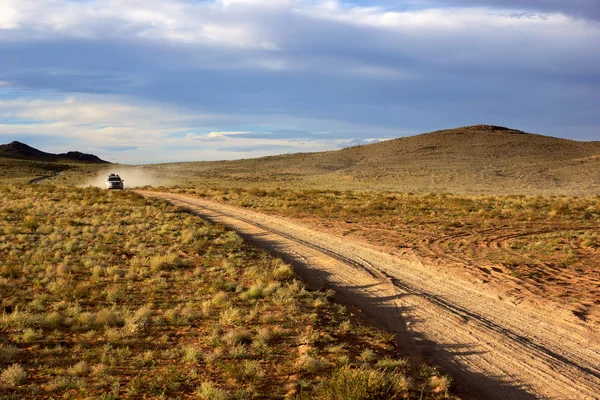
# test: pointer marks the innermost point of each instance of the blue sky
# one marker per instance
(142, 81)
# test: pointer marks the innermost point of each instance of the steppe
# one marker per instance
(110, 295)
(511, 208)
(506, 215)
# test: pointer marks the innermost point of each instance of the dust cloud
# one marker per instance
(132, 178)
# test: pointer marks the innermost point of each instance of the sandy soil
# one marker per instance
(495, 348)
(470, 256)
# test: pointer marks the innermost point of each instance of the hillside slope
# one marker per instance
(477, 159)
(22, 151)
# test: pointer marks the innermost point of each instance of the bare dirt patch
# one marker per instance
(501, 349)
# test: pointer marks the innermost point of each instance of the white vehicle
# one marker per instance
(114, 181)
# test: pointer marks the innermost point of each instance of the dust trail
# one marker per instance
(133, 177)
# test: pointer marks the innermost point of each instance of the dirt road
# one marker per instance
(43, 178)
(493, 348)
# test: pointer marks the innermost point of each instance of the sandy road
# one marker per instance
(43, 178)
(493, 348)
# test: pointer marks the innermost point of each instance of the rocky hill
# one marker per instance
(22, 151)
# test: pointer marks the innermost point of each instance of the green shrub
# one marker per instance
(209, 391)
(14, 375)
(362, 384)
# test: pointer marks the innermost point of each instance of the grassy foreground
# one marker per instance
(109, 295)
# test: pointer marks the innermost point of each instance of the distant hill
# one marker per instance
(22, 151)
(482, 159)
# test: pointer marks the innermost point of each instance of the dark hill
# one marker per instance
(22, 151)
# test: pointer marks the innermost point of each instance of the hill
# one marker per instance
(22, 151)
(481, 159)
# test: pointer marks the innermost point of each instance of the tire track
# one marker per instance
(43, 178)
(533, 357)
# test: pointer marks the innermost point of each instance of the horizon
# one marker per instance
(65, 151)
(156, 81)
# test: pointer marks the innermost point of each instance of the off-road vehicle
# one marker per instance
(114, 181)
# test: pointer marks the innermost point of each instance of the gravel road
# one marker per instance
(494, 349)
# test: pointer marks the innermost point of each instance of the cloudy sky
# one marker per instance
(141, 81)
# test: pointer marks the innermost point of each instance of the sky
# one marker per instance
(148, 81)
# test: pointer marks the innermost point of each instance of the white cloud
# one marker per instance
(96, 120)
(470, 34)
(99, 122)
(83, 110)
(176, 21)
(452, 35)
(211, 136)
(270, 4)
(375, 71)
(274, 64)
(9, 15)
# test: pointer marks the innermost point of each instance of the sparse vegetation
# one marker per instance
(466, 161)
(109, 295)
(549, 244)
(362, 384)
(22, 171)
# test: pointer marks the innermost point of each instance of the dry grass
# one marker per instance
(109, 295)
(549, 244)
(469, 160)
(22, 171)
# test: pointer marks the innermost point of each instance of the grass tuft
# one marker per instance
(14, 375)
(115, 296)
(362, 384)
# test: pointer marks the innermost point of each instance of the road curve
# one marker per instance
(494, 349)
(43, 178)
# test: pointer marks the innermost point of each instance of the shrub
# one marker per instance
(440, 384)
(99, 370)
(66, 383)
(31, 335)
(192, 353)
(206, 307)
(114, 294)
(389, 364)
(238, 351)
(146, 359)
(220, 298)
(12, 271)
(108, 317)
(238, 336)
(166, 262)
(362, 384)
(309, 364)
(367, 355)
(255, 292)
(249, 371)
(136, 322)
(264, 335)
(54, 320)
(80, 369)
(230, 316)
(14, 375)
(209, 391)
(8, 353)
(283, 273)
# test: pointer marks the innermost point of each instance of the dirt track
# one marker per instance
(43, 178)
(493, 348)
